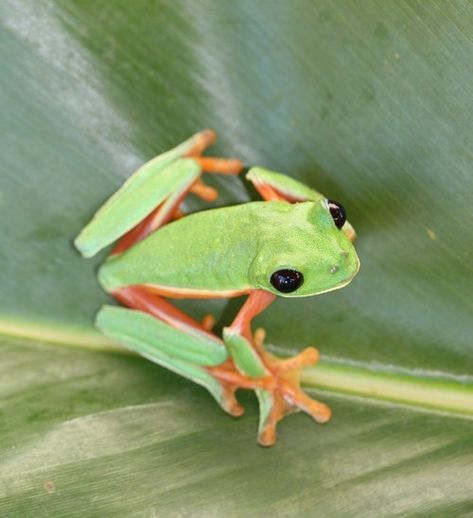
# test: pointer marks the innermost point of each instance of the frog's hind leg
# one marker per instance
(138, 297)
(274, 186)
(187, 353)
(156, 307)
(166, 211)
(152, 194)
(169, 209)
(163, 333)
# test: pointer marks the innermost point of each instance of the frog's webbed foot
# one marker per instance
(276, 381)
(229, 402)
(286, 396)
(279, 392)
(230, 380)
(210, 164)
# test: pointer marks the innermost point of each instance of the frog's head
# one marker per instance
(311, 253)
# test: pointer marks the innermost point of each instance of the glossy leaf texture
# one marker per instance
(369, 102)
(101, 434)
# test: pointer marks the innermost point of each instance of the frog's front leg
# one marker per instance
(282, 393)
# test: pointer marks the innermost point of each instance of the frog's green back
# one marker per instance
(235, 249)
(209, 250)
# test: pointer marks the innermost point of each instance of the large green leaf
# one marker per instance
(96, 434)
(369, 102)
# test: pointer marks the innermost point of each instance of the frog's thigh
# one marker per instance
(276, 186)
(156, 183)
(186, 353)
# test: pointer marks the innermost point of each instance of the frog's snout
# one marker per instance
(343, 263)
(343, 258)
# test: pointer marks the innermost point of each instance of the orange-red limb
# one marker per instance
(166, 212)
(156, 219)
(257, 302)
(138, 297)
(227, 374)
(270, 193)
(229, 166)
(282, 381)
(204, 191)
(204, 139)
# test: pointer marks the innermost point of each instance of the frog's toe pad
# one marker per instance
(230, 403)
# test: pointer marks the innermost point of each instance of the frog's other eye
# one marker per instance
(287, 281)
(339, 214)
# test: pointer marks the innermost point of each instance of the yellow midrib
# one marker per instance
(426, 391)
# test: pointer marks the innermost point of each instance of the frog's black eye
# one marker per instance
(287, 281)
(338, 213)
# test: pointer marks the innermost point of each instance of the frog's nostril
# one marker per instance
(344, 254)
(334, 268)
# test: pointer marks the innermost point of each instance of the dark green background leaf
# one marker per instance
(369, 102)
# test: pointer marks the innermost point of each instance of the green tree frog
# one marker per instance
(294, 243)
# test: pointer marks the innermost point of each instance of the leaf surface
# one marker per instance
(368, 102)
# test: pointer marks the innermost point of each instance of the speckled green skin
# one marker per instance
(238, 248)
